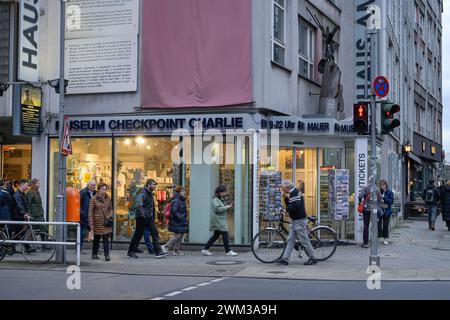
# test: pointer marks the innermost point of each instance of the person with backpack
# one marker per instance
(385, 202)
(219, 222)
(178, 222)
(431, 197)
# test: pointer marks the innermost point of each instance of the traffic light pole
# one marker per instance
(60, 213)
(374, 258)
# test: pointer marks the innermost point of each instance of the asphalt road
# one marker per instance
(50, 285)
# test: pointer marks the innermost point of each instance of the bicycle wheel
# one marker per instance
(268, 246)
(324, 241)
(38, 253)
(3, 246)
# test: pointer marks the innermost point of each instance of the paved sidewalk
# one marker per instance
(414, 254)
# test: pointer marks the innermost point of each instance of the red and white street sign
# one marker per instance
(66, 145)
(381, 86)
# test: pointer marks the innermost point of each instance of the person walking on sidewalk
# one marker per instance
(431, 197)
(295, 206)
(364, 197)
(219, 222)
(145, 217)
(178, 222)
(385, 201)
(100, 220)
(86, 195)
(445, 203)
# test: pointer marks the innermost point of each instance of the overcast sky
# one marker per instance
(446, 75)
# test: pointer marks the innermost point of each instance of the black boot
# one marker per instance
(107, 258)
(95, 257)
(132, 254)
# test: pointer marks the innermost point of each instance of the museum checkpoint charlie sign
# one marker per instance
(167, 124)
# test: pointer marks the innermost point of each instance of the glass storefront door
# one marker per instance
(136, 160)
(230, 167)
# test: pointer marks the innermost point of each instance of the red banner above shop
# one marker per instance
(196, 53)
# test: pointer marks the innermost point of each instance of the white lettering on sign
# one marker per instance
(28, 40)
(364, 17)
(361, 181)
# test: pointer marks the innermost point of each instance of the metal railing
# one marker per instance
(76, 244)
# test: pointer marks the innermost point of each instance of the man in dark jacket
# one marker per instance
(295, 206)
(145, 217)
(431, 197)
(85, 198)
(365, 196)
(445, 202)
(21, 210)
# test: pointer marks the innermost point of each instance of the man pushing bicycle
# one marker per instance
(295, 206)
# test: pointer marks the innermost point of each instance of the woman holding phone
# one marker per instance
(219, 222)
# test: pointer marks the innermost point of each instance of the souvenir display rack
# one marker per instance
(270, 204)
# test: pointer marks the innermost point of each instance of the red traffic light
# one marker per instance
(361, 118)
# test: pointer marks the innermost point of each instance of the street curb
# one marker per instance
(232, 276)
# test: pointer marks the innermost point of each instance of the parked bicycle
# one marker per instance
(34, 253)
(269, 245)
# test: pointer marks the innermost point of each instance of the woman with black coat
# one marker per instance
(178, 221)
(445, 203)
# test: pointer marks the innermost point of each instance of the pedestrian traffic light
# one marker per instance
(388, 122)
(361, 118)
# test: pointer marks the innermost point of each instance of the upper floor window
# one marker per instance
(306, 46)
(279, 31)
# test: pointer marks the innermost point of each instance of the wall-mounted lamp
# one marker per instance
(408, 148)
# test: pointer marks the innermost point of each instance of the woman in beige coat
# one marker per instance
(100, 220)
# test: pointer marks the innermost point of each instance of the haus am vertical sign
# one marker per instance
(28, 40)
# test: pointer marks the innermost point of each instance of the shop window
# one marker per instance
(136, 160)
(329, 159)
(16, 162)
(231, 169)
(90, 160)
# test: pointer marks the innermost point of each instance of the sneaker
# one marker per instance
(364, 246)
(231, 253)
(132, 254)
(385, 242)
(165, 249)
(161, 255)
(177, 253)
(310, 262)
(206, 253)
(283, 262)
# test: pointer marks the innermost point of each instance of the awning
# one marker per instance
(412, 156)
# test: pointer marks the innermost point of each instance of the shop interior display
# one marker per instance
(270, 205)
(339, 192)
